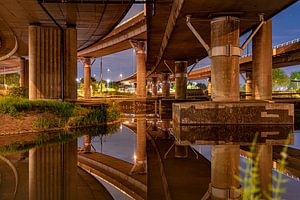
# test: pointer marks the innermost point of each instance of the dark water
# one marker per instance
(47, 168)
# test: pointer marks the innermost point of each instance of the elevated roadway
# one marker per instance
(169, 37)
(284, 55)
(93, 21)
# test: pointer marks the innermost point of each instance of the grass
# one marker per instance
(57, 114)
(251, 179)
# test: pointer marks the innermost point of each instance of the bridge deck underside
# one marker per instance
(182, 44)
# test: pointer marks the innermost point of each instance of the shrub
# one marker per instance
(17, 92)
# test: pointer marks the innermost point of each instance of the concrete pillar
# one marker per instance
(140, 52)
(70, 68)
(87, 143)
(154, 86)
(45, 63)
(87, 78)
(249, 85)
(209, 86)
(262, 62)
(165, 85)
(24, 73)
(225, 54)
(140, 165)
(53, 172)
(262, 90)
(180, 79)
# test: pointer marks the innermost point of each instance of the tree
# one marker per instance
(294, 76)
(280, 80)
(10, 79)
(201, 86)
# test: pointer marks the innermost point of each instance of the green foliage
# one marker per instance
(45, 123)
(279, 79)
(59, 114)
(295, 85)
(251, 179)
(10, 79)
(18, 92)
(98, 115)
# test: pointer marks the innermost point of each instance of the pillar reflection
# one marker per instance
(140, 165)
(53, 172)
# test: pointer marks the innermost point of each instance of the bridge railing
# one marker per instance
(297, 40)
(286, 43)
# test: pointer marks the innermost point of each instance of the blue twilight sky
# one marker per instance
(286, 27)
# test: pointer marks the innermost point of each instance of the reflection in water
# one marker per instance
(224, 171)
(53, 172)
(140, 165)
(181, 174)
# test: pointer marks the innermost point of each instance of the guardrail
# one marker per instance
(297, 40)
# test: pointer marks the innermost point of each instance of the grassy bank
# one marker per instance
(47, 114)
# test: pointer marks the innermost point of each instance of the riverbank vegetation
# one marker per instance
(22, 114)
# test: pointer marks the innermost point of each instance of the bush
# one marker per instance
(18, 92)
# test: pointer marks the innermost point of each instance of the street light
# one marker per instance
(121, 76)
(296, 80)
(108, 80)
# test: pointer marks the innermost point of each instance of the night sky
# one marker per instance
(286, 27)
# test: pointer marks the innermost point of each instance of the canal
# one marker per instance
(119, 162)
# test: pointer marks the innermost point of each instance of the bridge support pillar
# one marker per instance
(54, 168)
(87, 143)
(262, 90)
(262, 62)
(225, 53)
(209, 86)
(249, 85)
(180, 79)
(140, 165)
(140, 52)
(87, 78)
(52, 63)
(165, 85)
(154, 86)
(24, 73)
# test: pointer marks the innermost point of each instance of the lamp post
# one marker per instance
(296, 80)
(108, 80)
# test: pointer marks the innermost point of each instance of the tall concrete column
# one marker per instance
(53, 172)
(140, 52)
(180, 79)
(262, 90)
(225, 53)
(87, 78)
(165, 85)
(249, 85)
(154, 86)
(45, 63)
(262, 62)
(24, 73)
(70, 68)
(209, 86)
(87, 143)
(140, 165)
